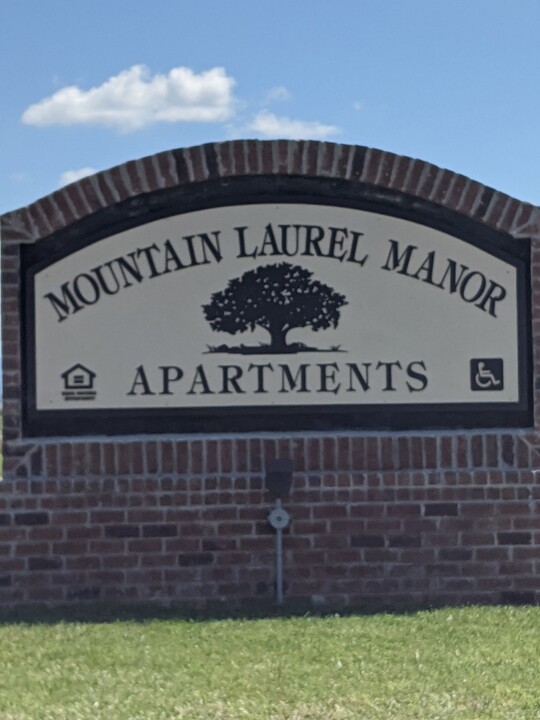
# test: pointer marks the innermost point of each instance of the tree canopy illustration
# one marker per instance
(277, 298)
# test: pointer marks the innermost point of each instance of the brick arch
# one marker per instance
(84, 518)
(354, 164)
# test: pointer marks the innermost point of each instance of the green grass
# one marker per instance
(463, 664)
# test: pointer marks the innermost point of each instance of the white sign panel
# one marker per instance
(275, 305)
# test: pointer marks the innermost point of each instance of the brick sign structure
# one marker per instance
(174, 324)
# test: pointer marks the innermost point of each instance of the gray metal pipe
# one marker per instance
(279, 518)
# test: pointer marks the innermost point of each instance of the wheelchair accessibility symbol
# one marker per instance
(487, 374)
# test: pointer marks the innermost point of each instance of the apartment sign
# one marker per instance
(269, 311)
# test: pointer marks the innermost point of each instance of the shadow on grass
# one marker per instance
(110, 613)
(141, 613)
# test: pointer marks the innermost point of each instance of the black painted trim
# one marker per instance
(270, 189)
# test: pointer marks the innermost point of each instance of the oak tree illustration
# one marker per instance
(278, 298)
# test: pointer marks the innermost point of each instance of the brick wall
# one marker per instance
(378, 519)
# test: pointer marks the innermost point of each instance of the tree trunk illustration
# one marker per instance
(277, 334)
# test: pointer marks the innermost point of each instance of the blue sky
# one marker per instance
(93, 84)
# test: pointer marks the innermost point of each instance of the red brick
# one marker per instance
(69, 518)
(372, 453)
(310, 157)
(342, 158)
(241, 456)
(167, 175)
(472, 192)
(283, 448)
(329, 460)
(267, 156)
(386, 167)
(109, 458)
(403, 510)
(196, 456)
(455, 188)
(31, 518)
(358, 453)
(282, 155)
(182, 457)
(148, 460)
(122, 458)
(136, 458)
(167, 456)
(251, 163)
(495, 208)
(116, 179)
(374, 159)
(462, 451)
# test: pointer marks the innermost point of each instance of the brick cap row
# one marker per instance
(241, 158)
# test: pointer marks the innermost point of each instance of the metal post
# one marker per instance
(279, 519)
(279, 566)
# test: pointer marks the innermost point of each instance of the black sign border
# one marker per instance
(273, 189)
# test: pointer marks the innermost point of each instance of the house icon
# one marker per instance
(78, 377)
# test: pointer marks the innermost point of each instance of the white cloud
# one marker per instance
(358, 106)
(277, 94)
(134, 98)
(269, 125)
(70, 176)
(19, 177)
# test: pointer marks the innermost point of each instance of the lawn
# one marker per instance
(465, 664)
